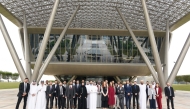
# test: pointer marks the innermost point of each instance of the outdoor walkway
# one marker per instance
(8, 99)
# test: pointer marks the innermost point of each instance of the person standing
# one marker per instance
(104, 95)
(169, 93)
(77, 86)
(158, 95)
(121, 95)
(98, 95)
(142, 95)
(93, 96)
(55, 86)
(70, 94)
(24, 88)
(49, 95)
(128, 91)
(152, 97)
(31, 102)
(88, 97)
(41, 98)
(116, 96)
(61, 96)
(65, 85)
(147, 87)
(111, 93)
(135, 91)
(82, 97)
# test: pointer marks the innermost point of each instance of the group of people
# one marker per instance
(92, 95)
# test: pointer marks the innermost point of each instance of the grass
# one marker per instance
(9, 85)
(183, 87)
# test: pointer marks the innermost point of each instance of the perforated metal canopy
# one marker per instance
(99, 13)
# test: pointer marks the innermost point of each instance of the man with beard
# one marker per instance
(32, 95)
(82, 97)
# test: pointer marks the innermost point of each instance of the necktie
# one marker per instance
(61, 91)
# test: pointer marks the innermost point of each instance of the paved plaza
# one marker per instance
(8, 99)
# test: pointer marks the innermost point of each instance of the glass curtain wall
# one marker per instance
(94, 48)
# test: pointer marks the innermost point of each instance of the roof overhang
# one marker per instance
(96, 69)
(95, 31)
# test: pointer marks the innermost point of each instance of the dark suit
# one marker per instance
(61, 97)
(147, 87)
(169, 93)
(128, 90)
(20, 93)
(135, 91)
(49, 90)
(55, 86)
(121, 95)
(70, 94)
(77, 86)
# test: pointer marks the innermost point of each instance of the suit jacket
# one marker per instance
(21, 89)
(159, 92)
(127, 89)
(147, 87)
(150, 94)
(121, 92)
(49, 91)
(58, 91)
(77, 88)
(135, 90)
(70, 91)
(55, 88)
(167, 91)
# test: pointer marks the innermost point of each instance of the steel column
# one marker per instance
(147, 61)
(166, 51)
(153, 45)
(57, 78)
(12, 50)
(179, 61)
(44, 41)
(26, 50)
(48, 59)
(21, 40)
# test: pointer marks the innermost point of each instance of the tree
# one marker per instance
(15, 76)
(179, 78)
(8, 75)
(1, 72)
(186, 78)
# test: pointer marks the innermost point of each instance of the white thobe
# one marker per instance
(31, 102)
(88, 97)
(93, 97)
(142, 96)
(41, 98)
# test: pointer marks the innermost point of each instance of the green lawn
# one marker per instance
(10, 85)
(183, 87)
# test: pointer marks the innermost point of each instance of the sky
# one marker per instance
(6, 63)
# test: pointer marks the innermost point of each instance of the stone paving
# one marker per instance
(8, 99)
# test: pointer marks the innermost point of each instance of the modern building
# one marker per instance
(87, 39)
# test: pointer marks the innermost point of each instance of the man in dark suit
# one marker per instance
(24, 88)
(49, 95)
(128, 91)
(55, 86)
(169, 93)
(121, 95)
(61, 96)
(135, 91)
(147, 87)
(77, 86)
(70, 94)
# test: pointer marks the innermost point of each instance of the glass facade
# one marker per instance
(95, 49)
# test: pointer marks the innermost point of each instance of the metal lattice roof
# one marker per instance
(99, 13)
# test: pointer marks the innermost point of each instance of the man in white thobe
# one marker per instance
(93, 96)
(88, 96)
(32, 95)
(142, 95)
(41, 98)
